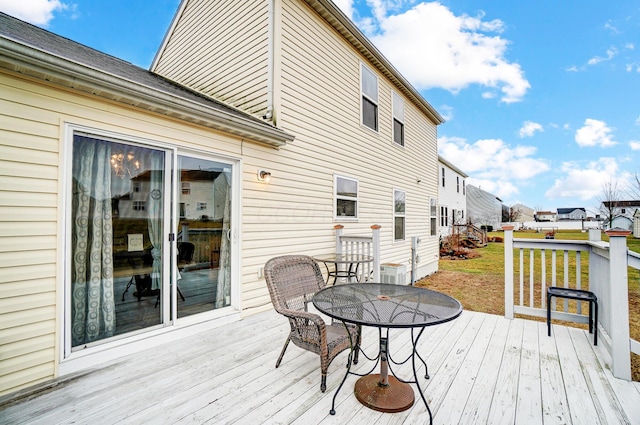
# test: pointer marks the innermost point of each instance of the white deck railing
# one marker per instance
(605, 264)
(364, 245)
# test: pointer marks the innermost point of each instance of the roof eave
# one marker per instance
(42, 65)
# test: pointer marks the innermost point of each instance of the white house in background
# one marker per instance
(452, 197)
(623, 212)
(548, 216)
(526, 213)
(483, 208)
(571, 214)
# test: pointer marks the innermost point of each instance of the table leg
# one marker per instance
(415, 373)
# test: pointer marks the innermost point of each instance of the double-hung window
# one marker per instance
(346, 198)
(443, 176)
(399, 207)
(433, 213)
(369, 95)
(398, 119)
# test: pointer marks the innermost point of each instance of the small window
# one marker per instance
(346, 196)
(186, 188)
(443, 174)
(433, 212)
(369, 94)
(399, 208)
(139, 205)
(136, 186)
(458, 184)
(464, 187)
(201, 206)
(398, 119)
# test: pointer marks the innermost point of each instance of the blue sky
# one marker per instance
(541, 98)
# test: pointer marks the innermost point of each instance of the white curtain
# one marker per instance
(223, 289)
(155, 217)
(93, 306)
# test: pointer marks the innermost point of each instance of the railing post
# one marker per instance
(338, 228)
(375, 230)
(619, 304)
(595, 235)
(508, 271)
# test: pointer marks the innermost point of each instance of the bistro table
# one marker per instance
(345, 265)
(386, 306)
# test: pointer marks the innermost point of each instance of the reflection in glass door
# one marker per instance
(116, 238)
(203, 235)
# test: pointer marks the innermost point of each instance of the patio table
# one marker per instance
(387, 306)
(345, 265)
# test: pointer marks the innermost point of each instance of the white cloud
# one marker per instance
(634, 145)
(638, 120)
(611, 53)
(611, 27)
(529, 128)
(446, 111)
(492, 164)
(346, 6)
(37, 12)
(585, 181)
(629, 46)
(432, 47)
(594, 133)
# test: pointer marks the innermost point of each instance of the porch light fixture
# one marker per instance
(264, 176)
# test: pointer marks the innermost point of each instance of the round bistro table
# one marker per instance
(345, 265)
(386, 306)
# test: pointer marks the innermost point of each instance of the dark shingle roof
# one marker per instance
(124, 73)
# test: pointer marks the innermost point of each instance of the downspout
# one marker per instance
(268, 115)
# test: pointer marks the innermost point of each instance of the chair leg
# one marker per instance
(548, 314)
(595, 324)
(286, 344)
(323, 383)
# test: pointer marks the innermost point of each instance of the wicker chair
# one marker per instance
(292, 281)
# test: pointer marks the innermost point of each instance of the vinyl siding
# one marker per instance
(319, 80)
(203, 52)
(32, 120)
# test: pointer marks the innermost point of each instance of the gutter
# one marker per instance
(45, 66)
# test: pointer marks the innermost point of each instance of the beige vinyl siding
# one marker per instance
(321, 106)
(32, 132)
(221, 49)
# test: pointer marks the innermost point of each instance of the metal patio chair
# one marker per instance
(292, 281)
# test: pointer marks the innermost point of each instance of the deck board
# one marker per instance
(484, 370)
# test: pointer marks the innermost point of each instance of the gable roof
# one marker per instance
(453, 167)
(345, 27)
(570, 210)
(36, 52)
(621, 204)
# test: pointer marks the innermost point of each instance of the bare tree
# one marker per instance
(610, 198)
(514, 214)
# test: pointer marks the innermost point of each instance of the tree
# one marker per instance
(514, 214)
(610, 198)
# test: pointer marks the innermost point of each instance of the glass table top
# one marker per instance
(386, 305)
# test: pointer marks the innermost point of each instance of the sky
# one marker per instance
(541, 98)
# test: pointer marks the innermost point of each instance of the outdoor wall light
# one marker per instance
(264, 176)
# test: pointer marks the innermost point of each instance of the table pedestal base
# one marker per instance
(395, 397)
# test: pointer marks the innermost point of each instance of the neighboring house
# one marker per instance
(101, 182)
(524, 213)
(623, 213)
(545, 216)
(452, 196)
(484, 208)
(571, 214)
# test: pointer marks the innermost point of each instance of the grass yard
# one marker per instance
(478, 282)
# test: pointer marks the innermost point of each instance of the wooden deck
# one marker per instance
(484, 370)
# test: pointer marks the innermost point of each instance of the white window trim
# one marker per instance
(337, 217)
(377, 103)
(403, 215)
(395, 95)
(433, 232)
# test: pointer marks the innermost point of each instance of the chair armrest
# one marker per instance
(311, 317)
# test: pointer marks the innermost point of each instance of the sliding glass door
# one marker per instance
(203, 235)
(122, 264)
